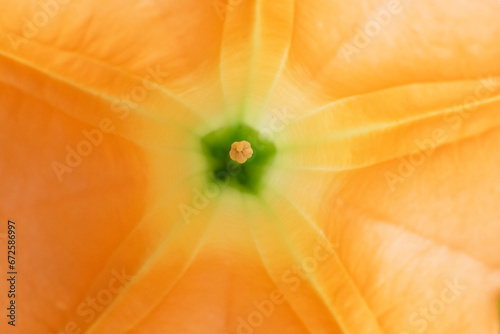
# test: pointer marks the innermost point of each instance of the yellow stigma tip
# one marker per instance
(240, 151)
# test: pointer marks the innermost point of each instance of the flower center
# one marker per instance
(241, 151)
(233, 161)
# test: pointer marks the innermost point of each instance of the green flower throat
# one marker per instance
(246, 177)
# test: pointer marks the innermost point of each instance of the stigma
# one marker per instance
(241, 151)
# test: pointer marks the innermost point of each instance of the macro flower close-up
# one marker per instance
(250, 166)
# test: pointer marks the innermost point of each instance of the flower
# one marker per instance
(369, 204)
